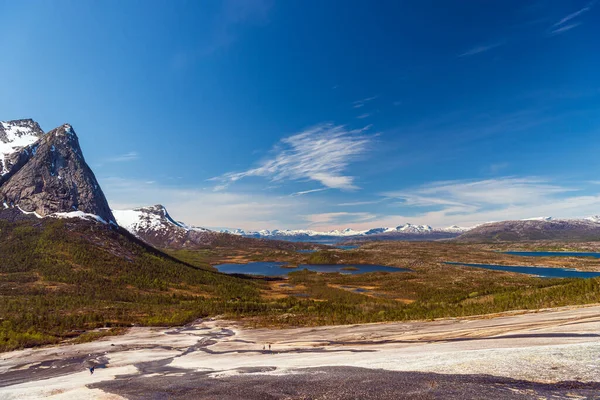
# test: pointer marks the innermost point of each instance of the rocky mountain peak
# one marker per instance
(50, 175)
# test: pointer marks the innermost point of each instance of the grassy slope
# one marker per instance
(57, 276)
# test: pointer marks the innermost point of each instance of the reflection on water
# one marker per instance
(269, 268)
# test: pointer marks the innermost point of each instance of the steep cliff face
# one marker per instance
(50, 175)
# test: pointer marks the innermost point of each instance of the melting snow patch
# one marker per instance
(29, 212)
(79, 214)
(17, 137)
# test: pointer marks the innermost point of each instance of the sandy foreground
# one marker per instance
(546, 354)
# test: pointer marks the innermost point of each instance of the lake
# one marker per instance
(544, 272)
(269, 268)
(551, 254)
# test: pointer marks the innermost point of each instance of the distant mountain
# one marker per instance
(46, 174)
(546, 228)
(156, 227)
(401, 232)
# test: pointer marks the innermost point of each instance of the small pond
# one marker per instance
(544, 272)
(552, 254)
(269, 268)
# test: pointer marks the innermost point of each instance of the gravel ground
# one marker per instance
(550, 354)
(343, 383)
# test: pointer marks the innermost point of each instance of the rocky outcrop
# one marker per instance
(51, 176)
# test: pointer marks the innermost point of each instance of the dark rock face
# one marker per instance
(51, 176)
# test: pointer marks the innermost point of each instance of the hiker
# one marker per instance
(269, 346)
(263, 347)
(92, 370)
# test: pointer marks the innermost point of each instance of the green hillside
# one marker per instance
(58, 277)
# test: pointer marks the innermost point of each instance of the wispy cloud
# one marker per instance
(308, 191)
(131, 156)
(560, 27)
(361, 203)
(362, 102)
(474, 194)
(335, 218)
(481, 49)
(365, 115)
(321, 153)
(497, 167)
(565, 28)
(576, 14)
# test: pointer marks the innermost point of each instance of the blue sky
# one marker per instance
(309, 114)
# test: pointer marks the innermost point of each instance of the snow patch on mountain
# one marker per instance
(154, 218)
(14, 135)
(79, 214)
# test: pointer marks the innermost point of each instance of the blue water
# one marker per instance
(268, 268)
(551, 254)
(362, 268)
(307, 251)
(544, 272)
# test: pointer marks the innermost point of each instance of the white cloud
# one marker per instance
(308, 191)
(321, 153)
(480, 49)
(576, 14)
(469, 203)
(362, 102)
(131, 156)
(500, 191)
(560, 27)
(325, 221)
(565, 28)
(361, 203)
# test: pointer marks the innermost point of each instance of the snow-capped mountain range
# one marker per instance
(407, 228)
(155, 226)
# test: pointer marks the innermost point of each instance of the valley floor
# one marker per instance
(545, 354)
